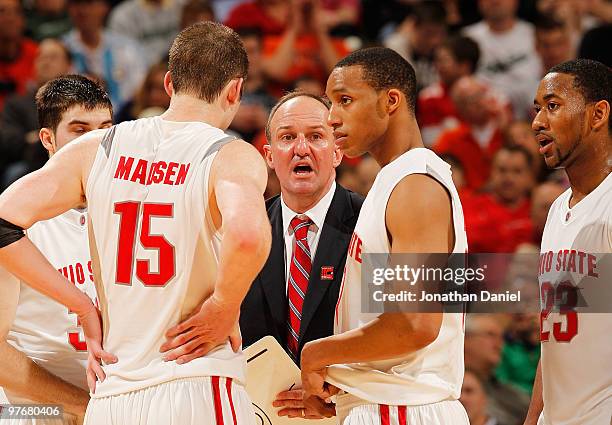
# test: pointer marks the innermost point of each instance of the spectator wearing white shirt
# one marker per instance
(508, 58)
(104, 54)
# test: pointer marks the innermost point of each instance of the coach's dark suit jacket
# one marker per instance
(265, 308)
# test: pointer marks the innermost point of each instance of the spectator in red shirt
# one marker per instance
(17, 53)
(542, 198)
(500, 220)
(457, 57)
(479, 136)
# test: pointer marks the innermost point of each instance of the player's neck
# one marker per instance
(588, 171)
(186, 108)
(402, 135)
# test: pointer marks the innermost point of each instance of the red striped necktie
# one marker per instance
(299, 272)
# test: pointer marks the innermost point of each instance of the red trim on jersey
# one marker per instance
(384, 414)
(228, 386)
(401, 415)
(217, 397)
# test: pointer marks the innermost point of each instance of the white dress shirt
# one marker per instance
(317, 215)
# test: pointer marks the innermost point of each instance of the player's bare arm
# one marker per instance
(22, 376)
(238, 180)
(419, 220)
(537, 403)
(45, 193)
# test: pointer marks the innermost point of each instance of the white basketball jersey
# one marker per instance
(154, 245)
(435, 372)
(43, 329)
(577, 346)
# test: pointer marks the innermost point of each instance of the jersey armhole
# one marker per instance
(427, 173)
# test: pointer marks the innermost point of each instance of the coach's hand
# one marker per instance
(293, 405)
(212, 325)
(91, 322)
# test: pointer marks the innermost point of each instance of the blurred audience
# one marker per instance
(17, 53)
(196, 11)
(457, 57)
(305, 48)
(256, 103)
(366, 171)
(521, 351)
(151, 99)
(542, 198)
(596, 44)
(483, 347)
(48, 19)
(418, 37)
(484, 115)
(474, 399)
(273, 17)
(508, 57)
(553, 43)
(20, 149)
(98, 52)
(520, 133)
(499, 220)
(152, 23)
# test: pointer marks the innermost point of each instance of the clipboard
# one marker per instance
(270, 371)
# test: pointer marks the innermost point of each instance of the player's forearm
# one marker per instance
(537, 402)
(244, 250)
(389, 336)
(23, 377)
(27, 263)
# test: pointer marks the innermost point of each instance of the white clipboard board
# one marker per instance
(270, 371)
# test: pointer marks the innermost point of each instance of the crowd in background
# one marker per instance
(478, 64)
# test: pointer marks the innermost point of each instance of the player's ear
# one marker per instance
(168, 84)
(268, 155)
(394, 98)
(235, 90)
(600, 115)
(47, 139)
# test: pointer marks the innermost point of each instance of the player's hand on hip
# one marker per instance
(212, 325)
(91, 322)
(293, 405)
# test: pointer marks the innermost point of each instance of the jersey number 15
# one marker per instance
(130, 213)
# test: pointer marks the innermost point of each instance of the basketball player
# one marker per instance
(42, 352)
(393, 368)
(573, 383)
(174, 206)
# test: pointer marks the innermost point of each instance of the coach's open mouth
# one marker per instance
(302, 169)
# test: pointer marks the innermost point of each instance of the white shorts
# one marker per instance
(193, 401)
(443, 413)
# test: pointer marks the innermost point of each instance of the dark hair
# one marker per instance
(62, 93)
(204, 58)
(383, 68)
(548, 23)
(193, 7)
(287, 97)
(429, 12)
(518, 149)
(245, 32)
(591, 78)
(463, 49)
